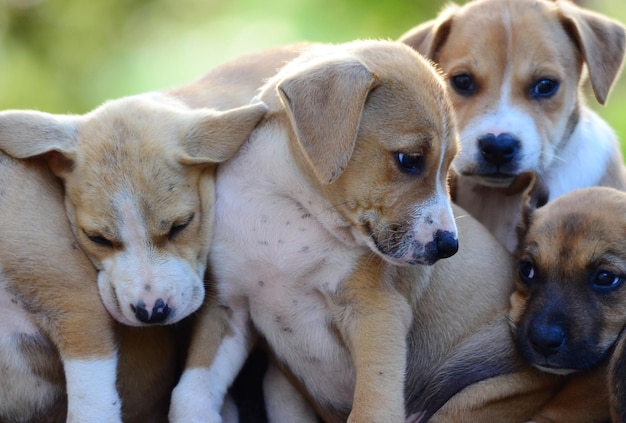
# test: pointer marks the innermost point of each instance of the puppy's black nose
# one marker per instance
(159, 313)
(447, 244)
(547, 339)
(500, 149)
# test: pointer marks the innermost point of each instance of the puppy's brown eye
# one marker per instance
(410, 163)
(463, 84)
(526, 270)
(544, 88)
(603, 279)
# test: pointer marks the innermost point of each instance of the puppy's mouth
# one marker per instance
(493, 179)
(498, 180)
(555, 370)
(399, 247)
(551, 349)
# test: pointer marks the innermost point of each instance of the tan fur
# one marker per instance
(52, 282)
(617, 391)
(334, 135)
(569, 243)
(137, 171)
(147, 160)
(506, 47)
(455, 312)
(234, 83)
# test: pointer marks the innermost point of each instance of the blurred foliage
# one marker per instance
(68, 56)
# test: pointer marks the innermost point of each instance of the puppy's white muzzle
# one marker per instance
(160, 293)
(429, 235)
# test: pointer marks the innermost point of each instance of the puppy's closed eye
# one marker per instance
(99, 240)
(179, 227)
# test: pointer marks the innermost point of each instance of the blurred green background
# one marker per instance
(68, 56)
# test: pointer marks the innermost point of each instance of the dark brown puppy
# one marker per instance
(568, 309)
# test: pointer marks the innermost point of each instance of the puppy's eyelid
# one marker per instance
(410, 163)
(605, 280)
(179, 227)
(98, 239)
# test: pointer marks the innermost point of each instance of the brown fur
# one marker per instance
(506, 46)
(563, 319)
(147, 148)
(51, 282)
(137, 171)
(617, 388)
(234, 83)
(456, 312)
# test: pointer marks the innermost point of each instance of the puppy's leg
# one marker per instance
(56, 284)
(510, 398)
(284, 403)
(220, 343)
(617, 381)
(374, 319)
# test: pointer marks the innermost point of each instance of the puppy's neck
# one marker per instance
(289, 177)
(492, 207)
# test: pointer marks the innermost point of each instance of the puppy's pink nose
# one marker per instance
(159, 313)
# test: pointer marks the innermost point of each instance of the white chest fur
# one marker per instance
(272, 254)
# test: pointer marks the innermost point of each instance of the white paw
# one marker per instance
(193, 402)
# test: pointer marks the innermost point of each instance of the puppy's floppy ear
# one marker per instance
(602, 42)
(535, 194)
(214, 137)
(324, 103)
(25, 134)
(429, 37)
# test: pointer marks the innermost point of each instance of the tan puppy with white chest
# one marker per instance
(51, 315)
(349, 175)
(516, 70)
(138, 177)
(349, 167)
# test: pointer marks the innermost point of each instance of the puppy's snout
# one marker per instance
(158, 314)
(498, 149)
(547, 339)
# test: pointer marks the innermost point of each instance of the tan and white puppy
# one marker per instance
(138, 178)
(138, 187)
(349, 168)
(516, 70)
(53, 327)
(569, 307)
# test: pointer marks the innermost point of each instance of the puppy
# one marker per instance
(568, 307)
(138, 176)
(53, 320)
(338, 190)
(138, 187)
(515, 69)
(334, 180)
